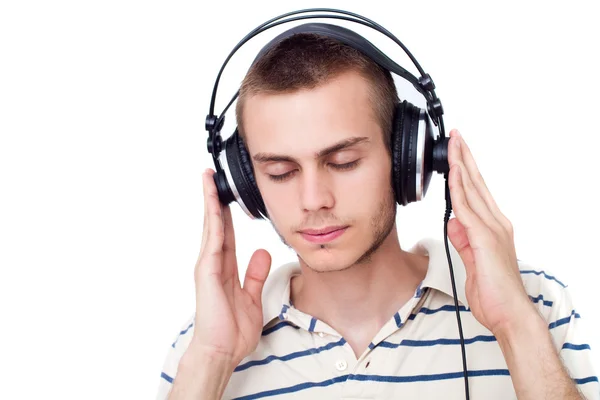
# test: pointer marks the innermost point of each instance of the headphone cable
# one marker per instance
(460, 331)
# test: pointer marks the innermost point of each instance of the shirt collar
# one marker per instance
(438, 270)
(276, 292)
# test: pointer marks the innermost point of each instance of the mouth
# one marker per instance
(323, 235)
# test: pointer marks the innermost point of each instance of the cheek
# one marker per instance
(279, 204)
(375, 190)
(367, 184)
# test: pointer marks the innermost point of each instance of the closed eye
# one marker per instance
(339, 167)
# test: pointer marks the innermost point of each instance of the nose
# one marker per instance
(316, 191)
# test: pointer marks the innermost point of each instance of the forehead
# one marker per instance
(303, 122)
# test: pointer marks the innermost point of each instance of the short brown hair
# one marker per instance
(306, 60)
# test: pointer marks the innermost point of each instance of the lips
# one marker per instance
(327, 234)
(322, 231)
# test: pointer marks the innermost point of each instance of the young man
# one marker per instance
(358, 316)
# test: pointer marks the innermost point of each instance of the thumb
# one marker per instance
(256, 274)
(459, 239)
(457, 234)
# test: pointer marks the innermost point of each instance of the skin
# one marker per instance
(365, 269)
(484, 238)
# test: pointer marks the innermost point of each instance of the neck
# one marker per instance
(364, 295)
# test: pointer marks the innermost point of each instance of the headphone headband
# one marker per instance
(424, 84)
(350, 38)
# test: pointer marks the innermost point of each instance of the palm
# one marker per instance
(228, 317)
(486, 291)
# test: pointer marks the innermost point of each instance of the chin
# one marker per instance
(332, 257)
(319, 264)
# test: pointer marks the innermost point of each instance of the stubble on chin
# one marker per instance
(381, 225)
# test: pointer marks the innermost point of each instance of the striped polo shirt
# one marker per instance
(415, 355)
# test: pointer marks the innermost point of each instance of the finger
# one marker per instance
(205, 222)
(230, 266)
(200, 268)
(256, 274)
(229, 244)
(474, 173)
(475, 227)
(474, 199)
(479, 182)
(213, 246)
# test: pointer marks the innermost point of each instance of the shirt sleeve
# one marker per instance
(569, 333)
(174, 353)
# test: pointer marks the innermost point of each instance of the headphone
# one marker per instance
(416, 154)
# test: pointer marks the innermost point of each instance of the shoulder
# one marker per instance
(549, 292)
(552, 298)
(566, 326)
(542, 285)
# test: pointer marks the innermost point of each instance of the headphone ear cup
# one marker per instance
(247, 182)
(404, 152)
(235, 179)
(396, 146)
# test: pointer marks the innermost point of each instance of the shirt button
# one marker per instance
(341, 365)
(321, 334)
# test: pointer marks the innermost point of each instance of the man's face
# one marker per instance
(284, 134)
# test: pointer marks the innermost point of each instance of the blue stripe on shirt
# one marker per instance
(429, 311)
(572, 346)
(564, 320)
(297, 354)
(278, 326)
(378, 378)
(435, 342)
(430, 377)
(549, 277)
(183, 332)
(581, 381)
(398, 319)
(419, 291)
(166, 377)
(450, 307)
(283, 311)
(541, 297)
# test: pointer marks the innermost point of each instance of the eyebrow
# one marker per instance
(341, 145)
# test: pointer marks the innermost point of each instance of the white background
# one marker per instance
(102, 108)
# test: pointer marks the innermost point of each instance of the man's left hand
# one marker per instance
(484, 238)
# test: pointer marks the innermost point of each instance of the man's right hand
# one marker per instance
(229, 318)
